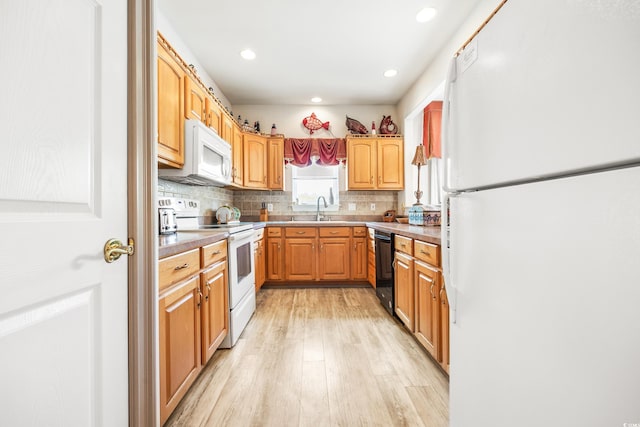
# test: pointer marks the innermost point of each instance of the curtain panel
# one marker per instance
(302, 152)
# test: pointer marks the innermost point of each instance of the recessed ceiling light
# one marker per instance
(248, 54)
(426, 14)
(316, 99)
(390, 73)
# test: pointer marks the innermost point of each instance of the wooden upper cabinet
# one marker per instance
(255, 161)
(227, 124)
(361, 163)
(195, 101)
(390, 164)
(171, 82)
(214, 115)
(275, 167)
(237, 154)
(375, 163)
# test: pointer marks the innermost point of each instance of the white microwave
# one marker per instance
(207, 158)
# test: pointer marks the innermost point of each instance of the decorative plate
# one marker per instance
(224, 214)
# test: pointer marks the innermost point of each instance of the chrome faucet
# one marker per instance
(318, 214)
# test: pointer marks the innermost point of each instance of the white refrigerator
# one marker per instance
(541, 130)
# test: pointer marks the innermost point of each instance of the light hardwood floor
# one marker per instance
(318, 357)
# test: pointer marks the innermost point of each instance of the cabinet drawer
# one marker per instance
(178, 267)
(214, 252)
(274, 232)
(300, 232)
(359, 231)
(404, 244)
(427, 252)
(259, 234)
(335, 231)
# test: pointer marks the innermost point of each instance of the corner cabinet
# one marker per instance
(171, 88)
(375, 163)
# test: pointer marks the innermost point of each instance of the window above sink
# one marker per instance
(311, 182)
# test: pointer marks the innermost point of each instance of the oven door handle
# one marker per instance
(249, 234)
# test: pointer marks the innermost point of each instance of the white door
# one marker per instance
(63, 119)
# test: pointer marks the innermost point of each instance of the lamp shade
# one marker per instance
(420, 158)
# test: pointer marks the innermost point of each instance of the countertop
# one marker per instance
(182, 241)
(424, 233)
(172, 244)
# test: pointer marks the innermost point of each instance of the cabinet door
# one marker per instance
(275, 167)
(444, 327)
(215, 308)
(371, 264)
(195, 97)
(214, 115)
(259, 260)
(227, 125)
(180, 362)
(237, 153)
(361, 163)
(334, 258)
(255, 161)
(404, 289)
(390, 164)
(427, 310)
(300, 259)
(171, 79)
(359, 260)
(275, 259)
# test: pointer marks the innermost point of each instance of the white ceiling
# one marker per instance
(334, 49)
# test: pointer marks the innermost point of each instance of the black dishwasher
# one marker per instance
(384, 269)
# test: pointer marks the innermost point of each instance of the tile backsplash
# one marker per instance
(211, 198)
(249, 202)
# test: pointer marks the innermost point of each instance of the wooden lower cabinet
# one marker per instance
(260, 263)
(300, 258)
(180, 342)
(427, 312)
(371, 257)
(404, 289)
(359, 260)
(334, 261)
(214, 308)
(444, 327)
(274, 259)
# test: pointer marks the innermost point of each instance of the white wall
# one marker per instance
(427, 88)
(288, 118)
(166, 29)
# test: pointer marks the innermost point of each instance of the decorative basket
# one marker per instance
(389, 216)
(431, 218)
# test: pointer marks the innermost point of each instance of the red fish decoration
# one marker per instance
(313, 123)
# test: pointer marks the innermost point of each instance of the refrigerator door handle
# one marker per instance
(446, 260)
(450, 80)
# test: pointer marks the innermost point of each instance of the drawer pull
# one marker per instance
(183, 266)
(300, 232)
(216, 253)
(333, 232)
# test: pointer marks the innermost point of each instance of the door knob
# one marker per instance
(114, 248)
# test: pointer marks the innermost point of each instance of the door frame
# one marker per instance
(142, 221)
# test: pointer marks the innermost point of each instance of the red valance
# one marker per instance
(323, 151)
(431, 129)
